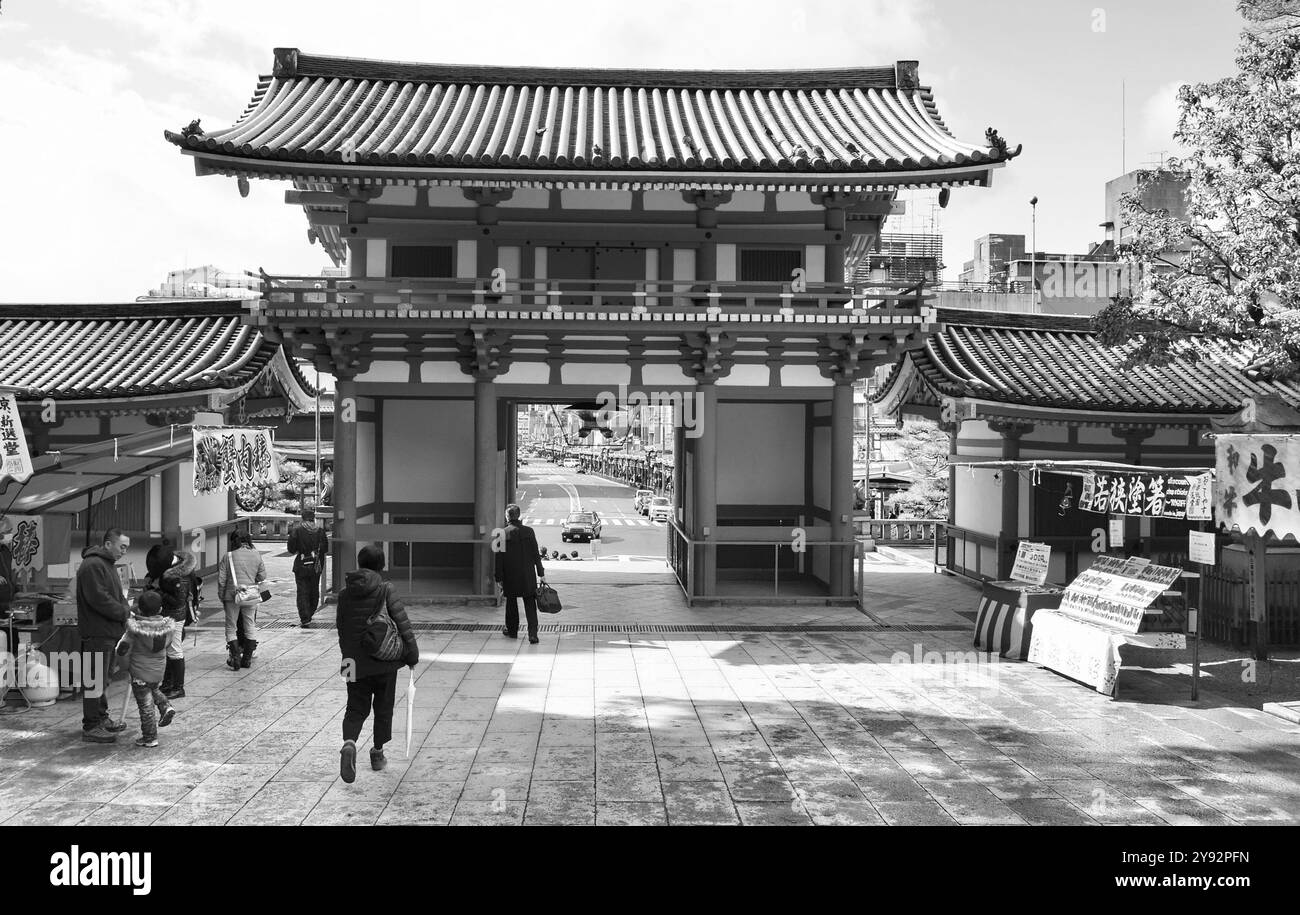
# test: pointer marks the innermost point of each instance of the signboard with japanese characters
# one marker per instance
(1031, 562)
(1153, 495)
(28, 545)
(1258, 484)
(230, 457)
(1200, 547)
(1115, 592)
(15, 461)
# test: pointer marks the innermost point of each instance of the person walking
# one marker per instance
(146, 643)
(171, 574)
(515, 566)
(369, 681)
(309, 544)
(101, 619)
(248, 569)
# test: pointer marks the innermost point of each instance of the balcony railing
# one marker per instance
(316, 293)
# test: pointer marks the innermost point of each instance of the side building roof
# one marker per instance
(1058, 362)
(98, 354)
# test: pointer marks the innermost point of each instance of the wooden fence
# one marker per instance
(1226, 611)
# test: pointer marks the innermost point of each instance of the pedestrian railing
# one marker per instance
(402, 295)
(899, 530)
(790, 561)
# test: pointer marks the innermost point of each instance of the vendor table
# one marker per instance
(1005, 622)
(1088, 651)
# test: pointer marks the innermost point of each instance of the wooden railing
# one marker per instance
(318, 293)
(898, 530)
(1226, 613)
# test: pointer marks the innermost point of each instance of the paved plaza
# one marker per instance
(846, 722)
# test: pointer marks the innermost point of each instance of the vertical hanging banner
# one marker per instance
(28, 545)
(15, 461)
(231, 457)
(1258, 484)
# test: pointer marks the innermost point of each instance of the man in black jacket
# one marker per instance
(515, 565)
(309, 544)
(101, 619)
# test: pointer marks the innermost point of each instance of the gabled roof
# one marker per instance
(1059, 362)
(366, 114)
(103, 352)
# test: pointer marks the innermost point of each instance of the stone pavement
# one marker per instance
(847, 722)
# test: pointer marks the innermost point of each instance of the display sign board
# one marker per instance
(27, 548)
(1115, 532)
(15, 461)
(1200, 547)
(1115, 592)
(1151, 495)
(231, 457)
(1031, 562)
(1258, 483)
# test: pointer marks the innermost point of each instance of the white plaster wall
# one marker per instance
(448, 197)
(428, 451)
(365, 463)
(814, 263)
(662, 374)
(387, 371)
(683, 265)
(588, 199)
(977, 501)
(446, 372)
(744, 202)
(198, 511)
(746, 376)
(376, 257)
(726, 263)
(527, 373)
(534, 198)
(803, 376)
(397, 195)
(666, 200)
(466, 259)
(760, 453)
(604, 373)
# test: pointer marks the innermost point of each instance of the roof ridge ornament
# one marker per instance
(286, 63)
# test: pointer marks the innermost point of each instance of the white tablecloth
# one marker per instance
(1087, 652)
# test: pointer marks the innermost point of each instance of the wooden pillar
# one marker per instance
(345, 479)
(485, 472)
(706, 489)
(1011, 433)
(169, 498)
(841, 559)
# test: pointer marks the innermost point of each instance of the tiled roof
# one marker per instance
(323, 109)
(1059, 362)
(82, 352)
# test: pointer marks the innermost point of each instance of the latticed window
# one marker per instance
(769, 265)
(420, 261)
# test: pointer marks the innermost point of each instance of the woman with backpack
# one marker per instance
(171, 574)
(370, 679)
(240, 568)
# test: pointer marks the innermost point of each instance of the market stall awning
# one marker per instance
(63, 481)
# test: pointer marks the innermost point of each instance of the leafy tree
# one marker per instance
(1229, 268)
(925, 447)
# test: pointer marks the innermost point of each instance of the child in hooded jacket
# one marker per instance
(148, 633)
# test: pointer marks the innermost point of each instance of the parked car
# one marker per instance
(641, 501)
(582, 470)
(583, 526)
(660, 509)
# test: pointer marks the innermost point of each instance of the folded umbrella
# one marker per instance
(410, 711)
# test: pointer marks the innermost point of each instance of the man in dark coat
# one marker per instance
(308, 543)
(369, 680)
(515, 565)
(102, 612)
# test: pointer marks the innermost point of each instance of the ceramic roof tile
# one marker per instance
(1058, 361)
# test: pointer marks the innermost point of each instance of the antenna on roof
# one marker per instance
(1123, 156)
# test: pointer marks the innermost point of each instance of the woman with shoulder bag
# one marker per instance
(376, 641)
(241, 571)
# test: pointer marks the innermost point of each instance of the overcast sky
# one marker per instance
(98, 207)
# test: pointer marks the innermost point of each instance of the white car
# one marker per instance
(641, 501)
(660, 509)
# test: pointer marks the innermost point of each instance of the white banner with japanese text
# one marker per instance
(231, 457)
(1258, 483)
(1152, 495)
(15, 461)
